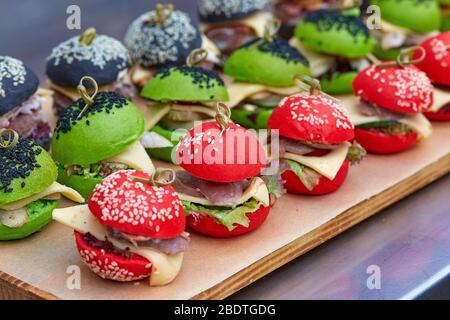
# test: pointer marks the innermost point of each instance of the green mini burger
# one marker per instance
(336, 44)
(96, 136)
(405, 23)
(28, 187)
(263, 72)
(181, 95)
(445, 11)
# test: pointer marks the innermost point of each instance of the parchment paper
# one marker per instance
(42, 259)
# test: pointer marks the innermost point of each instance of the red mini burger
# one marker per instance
(314, 141)
(436, 64)
(132, 228)
(392, 95)
(220, 191)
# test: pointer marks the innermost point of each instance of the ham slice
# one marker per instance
(369, 109)
(221, 194)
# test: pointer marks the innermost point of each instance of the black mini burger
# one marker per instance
(132, 228)
(99, 56)
(230, 24)
(21, 102)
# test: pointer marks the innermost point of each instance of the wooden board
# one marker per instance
(36, 267)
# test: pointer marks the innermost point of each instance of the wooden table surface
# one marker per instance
(412, 238)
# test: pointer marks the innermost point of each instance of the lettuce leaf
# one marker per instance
(307, 176)
(274, 182)
(226, 216)
(356, 153)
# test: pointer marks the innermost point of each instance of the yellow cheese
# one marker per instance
(153, 113)
(441, 98)
(387, 27)
(239, 91)
(327, 165)
(256, 21)
(164, 267)
(140, 75)
(135, 157)
(71, 93)
(213, 51)
(42, 92)
(256, 190)
(416, 122)
(54, 189)
(318, 63)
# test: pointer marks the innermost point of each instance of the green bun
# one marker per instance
(445, 24)
(245, 118)
(420, 16)
(83, 185)
(184, 83)
(35, 164)
(165, 153)
(272, 63)
(39, 215)
(333, 33)
(108, 127)
(338, 83)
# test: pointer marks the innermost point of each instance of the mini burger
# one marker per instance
(436, 64)
(132, 228)
(180, 96)
(98, 56)
(164, 36)
(315, 137)
(230, 24)
(388, 117)
(404, 23)
(28, 187)
(21, 102)
(220, 191)
(335, 45)
(445, 11)
(96, 136)
(262, 71)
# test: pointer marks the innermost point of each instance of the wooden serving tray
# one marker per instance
(35, 268)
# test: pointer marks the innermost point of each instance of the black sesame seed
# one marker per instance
(201, 77)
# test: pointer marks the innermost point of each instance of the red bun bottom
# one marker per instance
(438, 116)
(110, 263)
(206, 225)
(379, 143)
(294, 185)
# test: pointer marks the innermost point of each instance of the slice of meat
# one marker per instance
(42, 135)
(293, 146)
(230, 36)
(23, 124)
(370, 109)
(221, 194)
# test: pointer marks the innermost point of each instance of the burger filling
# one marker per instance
(28, 121)
(17, 218)
(96, 170)
(230, 36)
(227, 203)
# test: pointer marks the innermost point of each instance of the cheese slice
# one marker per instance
(417, 122)
(441, 98)
(239, 91)
(256, 190)
(42, 92)
(387, 27)
(135, 157)
(164, 267)
(54, 189)
(318, 63)
(256, 21)
(327, 165)
(140, 75)
(71, 93)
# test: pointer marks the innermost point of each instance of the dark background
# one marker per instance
(29, 29)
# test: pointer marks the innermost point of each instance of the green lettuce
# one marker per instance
(307, 176)
(229, 217)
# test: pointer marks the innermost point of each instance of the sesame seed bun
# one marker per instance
(312, 118)
(419, 16)
(207, 154)
(333, 33)
(108, 127)
(442, 114)
(271, 63)
(436, 63)
(17, 83)
(403, 89)
(36, 166)
(325, 186)
(213, 11)
(380, 143)
(183, 83)
(149, 211)
(110, 264)
(205, 224)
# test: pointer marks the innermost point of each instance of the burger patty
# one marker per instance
(167, 246)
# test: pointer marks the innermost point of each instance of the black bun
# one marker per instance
(105, 59)
(154, 45)
(212, 11)
(17, 83)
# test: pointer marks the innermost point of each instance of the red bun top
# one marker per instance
(137, 208)
(436, 63)
(312, 118)
(229, 156)
(403, 89)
